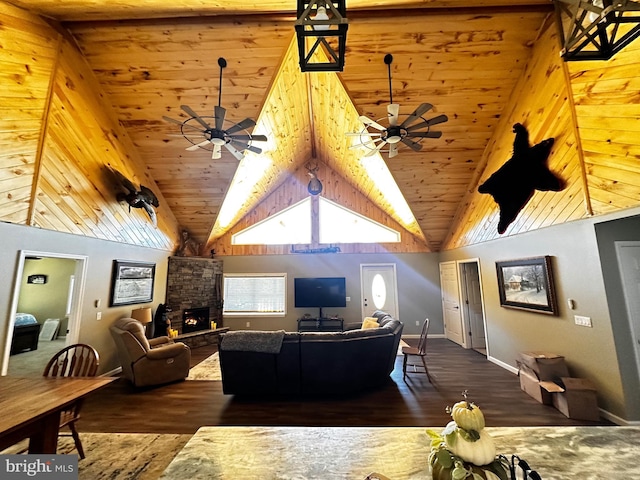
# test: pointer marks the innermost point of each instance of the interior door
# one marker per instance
(453, 326)
(379, 289)
(473, 304)
(628, 254)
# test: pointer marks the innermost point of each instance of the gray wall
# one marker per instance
(578, 274)
(100, 255)
(418, 286)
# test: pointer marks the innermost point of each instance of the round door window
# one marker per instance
(378, 291)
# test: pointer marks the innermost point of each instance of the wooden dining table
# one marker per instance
(30, 407)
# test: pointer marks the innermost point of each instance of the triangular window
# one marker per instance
(334, 223)
(291, 225)
(341, 225)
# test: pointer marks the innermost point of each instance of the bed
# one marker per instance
(25, 333)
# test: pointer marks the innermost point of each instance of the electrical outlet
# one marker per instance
(582, 321)
(98, 315)
(417, 323)
(248, 324)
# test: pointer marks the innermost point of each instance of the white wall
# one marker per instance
(100, 255)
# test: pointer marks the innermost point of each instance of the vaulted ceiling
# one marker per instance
(152, 56)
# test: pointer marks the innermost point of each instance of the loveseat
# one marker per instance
(309, 363)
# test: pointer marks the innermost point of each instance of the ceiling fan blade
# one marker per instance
(370, 123)
(239, 155)
(377, 149)
(429, 134)
(187, 109)
(243, 145)
(369, 134)
(392, 110)
(415, 146)
(427, 123)
(183, 125)
(417, 113)
(195, 147)
(171, 120)
(219, 113)
(216, 152)
(252, 138)
(253, 149)
(243, 125)
(393, 150)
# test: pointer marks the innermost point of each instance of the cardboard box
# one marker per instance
(574, 397)
(529, 383)
(547, 366)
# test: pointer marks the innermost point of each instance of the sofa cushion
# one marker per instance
(369, 322)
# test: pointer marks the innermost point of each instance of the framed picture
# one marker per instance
(527, 284)
(132, 282)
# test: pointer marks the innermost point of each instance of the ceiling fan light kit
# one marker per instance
(211, 133)
(596, 29)
(321, 24)
(389, 138)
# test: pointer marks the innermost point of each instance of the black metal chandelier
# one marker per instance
(321, 23)
(596, 29)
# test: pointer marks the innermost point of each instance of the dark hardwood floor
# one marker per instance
(185, 406)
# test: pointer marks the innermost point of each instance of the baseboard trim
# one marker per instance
(502, 364)
(112, 373)
(618, 420)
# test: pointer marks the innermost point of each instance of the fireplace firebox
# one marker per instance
(195, 319)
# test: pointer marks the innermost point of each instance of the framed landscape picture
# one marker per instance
(527, 284)
(132, 282)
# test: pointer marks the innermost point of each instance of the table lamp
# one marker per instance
(143, 315)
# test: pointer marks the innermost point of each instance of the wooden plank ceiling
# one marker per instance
(151, 56)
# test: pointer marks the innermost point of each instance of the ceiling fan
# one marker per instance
(211, 133)
(408, 132)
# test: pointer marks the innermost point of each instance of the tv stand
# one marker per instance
(320, 324)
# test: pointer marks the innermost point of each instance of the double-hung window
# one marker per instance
(255, 294)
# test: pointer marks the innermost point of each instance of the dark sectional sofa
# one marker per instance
(310, 363)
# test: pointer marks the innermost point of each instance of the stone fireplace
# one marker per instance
(191, 285)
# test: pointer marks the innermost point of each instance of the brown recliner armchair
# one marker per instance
(149, 362)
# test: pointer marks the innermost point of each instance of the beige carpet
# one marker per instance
(121, 456)
(208, 369)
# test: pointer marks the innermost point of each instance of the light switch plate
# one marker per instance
(582, 321)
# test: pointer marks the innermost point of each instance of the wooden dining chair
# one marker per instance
(419, 351)
(79, 360)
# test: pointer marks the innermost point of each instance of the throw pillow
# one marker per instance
(369, 322)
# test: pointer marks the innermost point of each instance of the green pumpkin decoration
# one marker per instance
(468, 416)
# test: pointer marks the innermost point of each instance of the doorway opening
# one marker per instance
(48, 287)
(463, 304)
(473, 304)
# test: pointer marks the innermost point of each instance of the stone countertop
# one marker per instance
(331, 453)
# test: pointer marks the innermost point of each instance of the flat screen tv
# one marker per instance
(320, 292)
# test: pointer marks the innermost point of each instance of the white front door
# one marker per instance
(628, 254)
(379, 289)
(453, 327)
